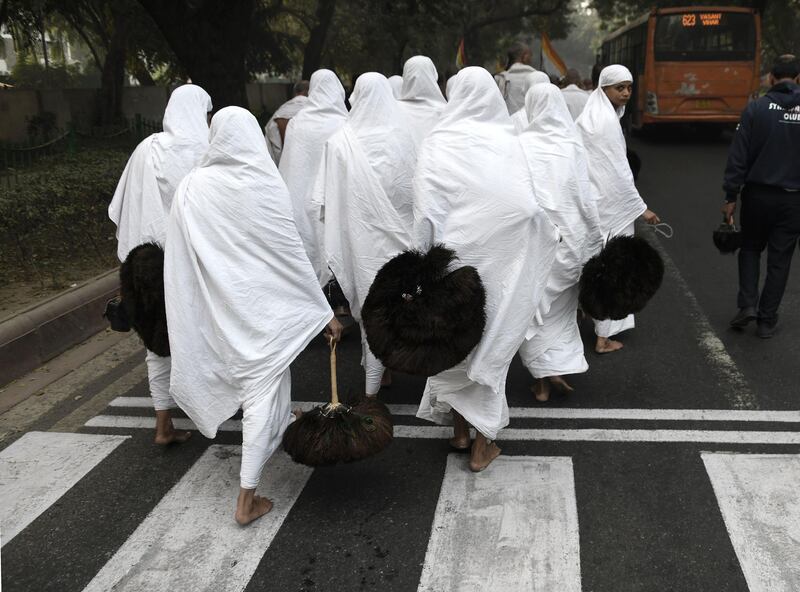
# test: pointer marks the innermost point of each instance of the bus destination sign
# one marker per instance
(706, 19)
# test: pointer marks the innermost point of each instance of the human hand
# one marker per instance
(334, 331)
(728, 210)
(651, 217)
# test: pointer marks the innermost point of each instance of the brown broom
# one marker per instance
(335, 432)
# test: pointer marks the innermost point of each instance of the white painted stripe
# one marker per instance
(40, 467)
(191, 536)
(571, 412)
(733, 383)
(513, 527)
(521, 434)
(757, 494)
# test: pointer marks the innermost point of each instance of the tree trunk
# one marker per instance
(112, 78)
(210, 40)
(312, 56)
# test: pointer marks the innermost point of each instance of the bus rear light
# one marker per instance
(652, 103)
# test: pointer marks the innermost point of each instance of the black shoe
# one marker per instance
(766, 330)
(743, 318)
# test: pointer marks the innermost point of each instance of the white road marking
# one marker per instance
(513, 527)
(40, 467)
(570, 412)
(191, 536)
(757, 494)
(735, 386)
(520, 434)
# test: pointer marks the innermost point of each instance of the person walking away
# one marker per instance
(574, 95)
(520, 117)
(396, 82)
(275, 130)
(618, 201)
(420, 98)
(306, 135)
(242, 298)
(473, 193)
(511, 81)
(557, 162)
(140, 208)
(763, 167)
(363, 195)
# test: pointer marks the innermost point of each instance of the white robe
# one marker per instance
(421, 98)
(557, 161)
(286, 111)
(473, 193)
(363, 195)
(511, 83)
(242, 299)
(142, 200)
(576, 99)
(520, 116)
(306, 135)
(396, 82)
(619, 203)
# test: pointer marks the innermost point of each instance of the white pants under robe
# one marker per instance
(372, 366)
(158, 370)
(609, 328)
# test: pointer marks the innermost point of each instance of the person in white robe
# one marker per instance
(306, 135)
(396, 82)
(520, 116)
(241, 303)
(448, 87)
(511, 81)
(473, 193)
(275, 130)
(557, 161)
(421, 98)
(574, 95)
(141, 204)
(363, 195)
(619, 203)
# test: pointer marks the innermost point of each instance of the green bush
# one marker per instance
(54, 220)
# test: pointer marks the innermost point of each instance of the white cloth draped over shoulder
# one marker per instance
(473, 192)
(557, 161)
(520, 116)
(396, 82)
(421, 98)
(363, 192)
(619, 202)
(143, 197)
(576, 99)
(306, 135)
(286, 111)
(242, 299)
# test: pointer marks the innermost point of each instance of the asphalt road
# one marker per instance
(595, 500)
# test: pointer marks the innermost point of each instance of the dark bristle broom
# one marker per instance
(335, 432)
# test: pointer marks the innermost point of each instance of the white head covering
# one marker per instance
(421, 98)
(242, 299)
(520, 117)
(473, 192)
(448, 89)
(144, 193)
(363, 191)
(306, 135)
(557, 161)
(619, 202)
(396, 82)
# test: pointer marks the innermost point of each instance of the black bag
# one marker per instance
(727, 238)
(116, 315)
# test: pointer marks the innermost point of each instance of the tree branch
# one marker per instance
(518, 15)
(80, 31)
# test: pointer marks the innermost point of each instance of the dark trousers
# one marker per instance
(770, 218)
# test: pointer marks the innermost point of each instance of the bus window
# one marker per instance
(705, 36)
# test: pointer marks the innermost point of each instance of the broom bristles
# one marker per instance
(328, 434)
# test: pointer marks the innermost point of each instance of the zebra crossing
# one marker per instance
(516, 526)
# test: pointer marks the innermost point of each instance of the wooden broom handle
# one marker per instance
(334, 388)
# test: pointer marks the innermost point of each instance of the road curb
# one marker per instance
(47, 329)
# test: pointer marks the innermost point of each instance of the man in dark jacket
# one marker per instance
(764, 166)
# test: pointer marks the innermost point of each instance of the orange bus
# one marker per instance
(695, 64)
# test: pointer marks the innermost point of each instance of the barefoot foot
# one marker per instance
(561, 384)
(460, 439)
(483, 453)
(605, 345)
(250, 507)
(165, 430)
(541, 390)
